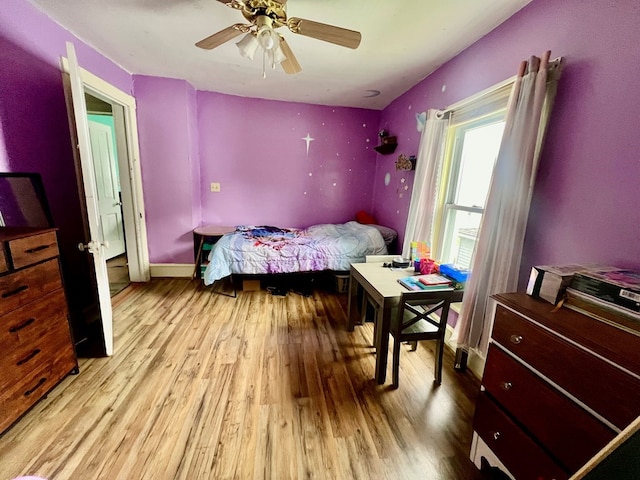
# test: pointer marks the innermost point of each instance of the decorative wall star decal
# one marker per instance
(308, 139)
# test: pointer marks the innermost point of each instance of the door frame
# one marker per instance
(124, 113)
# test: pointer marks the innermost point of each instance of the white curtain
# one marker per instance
(496, 264)
(426, 179)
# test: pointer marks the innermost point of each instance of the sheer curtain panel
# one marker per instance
(496, 264)
(426, 180)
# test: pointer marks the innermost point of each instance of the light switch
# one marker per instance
(215, 187)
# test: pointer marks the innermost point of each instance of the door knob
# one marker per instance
(92, 247)
(117, 204)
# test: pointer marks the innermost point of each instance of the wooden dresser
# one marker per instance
(36, 347)
(557, 387)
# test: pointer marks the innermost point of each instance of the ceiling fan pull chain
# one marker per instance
(264, 63)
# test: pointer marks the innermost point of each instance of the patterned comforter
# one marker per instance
(258, 250)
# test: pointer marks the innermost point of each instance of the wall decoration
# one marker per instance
(403, 187)
(388, 144)
(406, 163)
(308, 139)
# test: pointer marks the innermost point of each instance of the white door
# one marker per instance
(107, 188)
(96, 244)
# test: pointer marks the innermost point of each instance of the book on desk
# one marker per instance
(430, 282)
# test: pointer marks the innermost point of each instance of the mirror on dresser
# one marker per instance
(23, 202)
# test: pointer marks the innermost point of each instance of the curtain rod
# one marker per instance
(494, 88)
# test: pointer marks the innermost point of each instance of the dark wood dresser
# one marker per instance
(557, 387)
(36, 347)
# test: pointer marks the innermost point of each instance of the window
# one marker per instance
(472, 149)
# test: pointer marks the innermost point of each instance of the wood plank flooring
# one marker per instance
(203, 386)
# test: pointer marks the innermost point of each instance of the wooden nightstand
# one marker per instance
(209, 233)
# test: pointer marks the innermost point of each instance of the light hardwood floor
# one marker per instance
(203, 386)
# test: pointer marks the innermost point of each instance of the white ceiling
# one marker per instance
(402, 42)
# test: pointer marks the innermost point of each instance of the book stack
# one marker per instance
(609, 294)
(430, 282)
(549, 282)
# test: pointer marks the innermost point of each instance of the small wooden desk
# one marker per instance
(207, 231)
(381, 284)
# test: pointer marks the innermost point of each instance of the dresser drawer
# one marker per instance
(26, 391)
(32, 249)
(25, 358)
(525, 459)
(43, 321)
(611, 392)
(559, 424)
(24, 286)
(607, 340)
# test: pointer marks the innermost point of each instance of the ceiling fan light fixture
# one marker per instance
(267, 37)
(248, 46)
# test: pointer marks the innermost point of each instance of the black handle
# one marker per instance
(24, 324)
(37, 386)
(15, 292)
(28, 357)
(37, 249)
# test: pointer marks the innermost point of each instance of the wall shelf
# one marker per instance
(388, 145)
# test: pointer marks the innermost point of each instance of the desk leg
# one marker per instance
(196, 269)
(353, 299)
(383, 325)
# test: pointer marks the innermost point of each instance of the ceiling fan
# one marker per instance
(264, 16)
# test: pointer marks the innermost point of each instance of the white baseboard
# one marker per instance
(475, 362)
(182, 270)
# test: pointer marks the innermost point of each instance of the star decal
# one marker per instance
(308, 139)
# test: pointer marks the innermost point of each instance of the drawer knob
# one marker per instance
(496, 435)
(37, 249)
(506, 385)
(28, 357)
(24, 324)
(15, 291)
(517, 339)
(36, 386)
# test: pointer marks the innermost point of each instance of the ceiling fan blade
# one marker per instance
(290, 63)
(220, 37)
(322, 31)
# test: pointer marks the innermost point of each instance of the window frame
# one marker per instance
(443, 219)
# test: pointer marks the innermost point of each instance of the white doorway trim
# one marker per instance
(124, 112)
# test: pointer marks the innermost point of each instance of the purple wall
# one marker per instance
(586, 205)
(33, 115)
(256, 150)
(35, 129)
(25, 26)
(169, 161)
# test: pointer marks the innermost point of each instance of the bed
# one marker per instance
(266, 249)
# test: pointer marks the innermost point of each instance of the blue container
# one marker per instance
(455, 273)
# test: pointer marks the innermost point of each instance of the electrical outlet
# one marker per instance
(215, 187)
